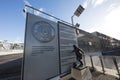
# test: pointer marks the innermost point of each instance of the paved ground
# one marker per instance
(10, 69)
(99, 76)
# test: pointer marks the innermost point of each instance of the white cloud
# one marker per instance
(35, 12)
(112, 7)
(86, 3)
(27, 3)
(111, 26)
(113, 22)
(95, 3)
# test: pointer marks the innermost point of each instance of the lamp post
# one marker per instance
(72, 20)
(77, 13)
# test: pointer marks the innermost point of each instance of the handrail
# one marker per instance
(104, 69)
(47, 14)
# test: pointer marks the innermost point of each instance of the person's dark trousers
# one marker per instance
(81, 63)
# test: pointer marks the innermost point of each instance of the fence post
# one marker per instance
(92, 63)
(103, 69)
(117, 68)
(84, 60)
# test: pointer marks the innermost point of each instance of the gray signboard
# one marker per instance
(41, 58)
(67, 38)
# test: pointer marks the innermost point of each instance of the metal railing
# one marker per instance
(35, 9)
(105, 64)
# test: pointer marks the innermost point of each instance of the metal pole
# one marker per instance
(72, 20)
(84, 60)
(100, 57)
(117, 68)
(47, 14)
(92, 63)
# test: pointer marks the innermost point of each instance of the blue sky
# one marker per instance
(99, 15)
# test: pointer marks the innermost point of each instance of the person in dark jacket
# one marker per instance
(79, 52)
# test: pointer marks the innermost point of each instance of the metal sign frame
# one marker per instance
(69, 26)
(28, 28)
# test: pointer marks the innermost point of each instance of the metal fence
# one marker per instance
(105, 64)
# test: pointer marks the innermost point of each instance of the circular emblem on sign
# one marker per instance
(43, 31)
